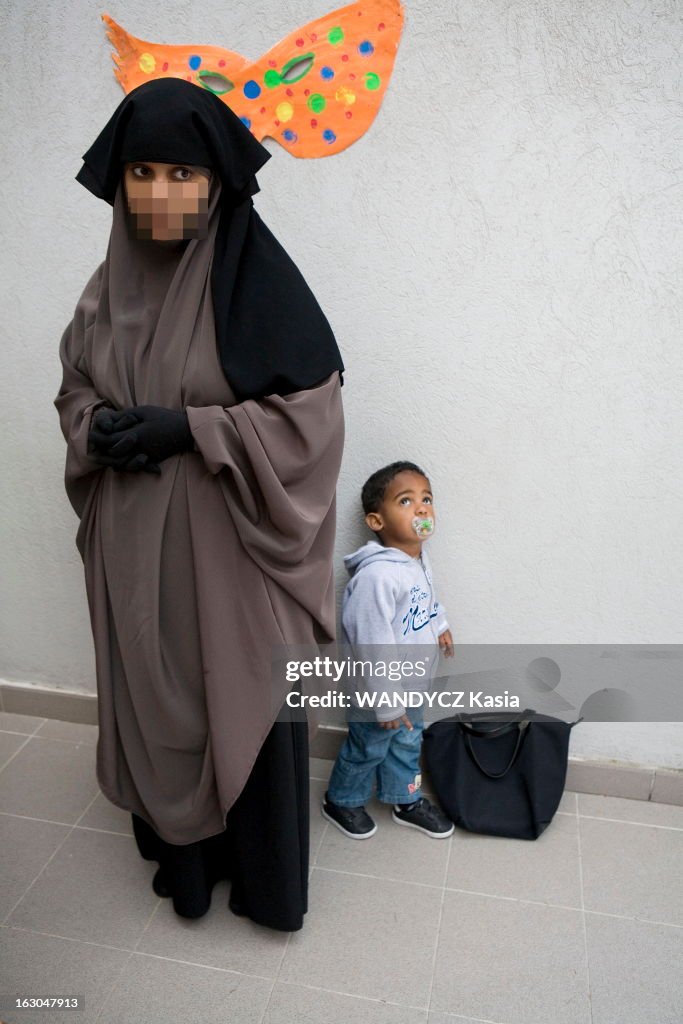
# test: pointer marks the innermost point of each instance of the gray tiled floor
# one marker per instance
(584, 926)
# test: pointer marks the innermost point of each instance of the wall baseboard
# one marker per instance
(604, 778)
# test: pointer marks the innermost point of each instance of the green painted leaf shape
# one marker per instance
(214, 81)
(295, 69)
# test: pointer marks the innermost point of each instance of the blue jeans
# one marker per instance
(392, 756)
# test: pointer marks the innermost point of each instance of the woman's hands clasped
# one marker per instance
(137, 439)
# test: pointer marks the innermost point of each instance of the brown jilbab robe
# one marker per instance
(193, 575)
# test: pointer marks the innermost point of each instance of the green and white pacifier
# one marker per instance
(423, 526)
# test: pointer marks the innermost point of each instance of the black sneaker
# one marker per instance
(354, 822)
(426, 817)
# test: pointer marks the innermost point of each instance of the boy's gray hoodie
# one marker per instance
(390, 600)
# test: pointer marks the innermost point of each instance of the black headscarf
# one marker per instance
(272, 336)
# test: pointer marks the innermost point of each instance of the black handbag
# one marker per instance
(501, 774)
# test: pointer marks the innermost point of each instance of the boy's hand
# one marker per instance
(446, 643)
(396, 723)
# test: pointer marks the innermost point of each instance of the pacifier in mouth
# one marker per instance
(423, 526)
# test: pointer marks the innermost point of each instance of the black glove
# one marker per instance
(127, 464)
(145, 430)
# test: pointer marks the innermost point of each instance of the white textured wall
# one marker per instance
(500, 257)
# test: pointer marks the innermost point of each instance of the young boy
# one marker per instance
(389, 600)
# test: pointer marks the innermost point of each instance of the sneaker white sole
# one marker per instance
(351, 835)
(432, 835)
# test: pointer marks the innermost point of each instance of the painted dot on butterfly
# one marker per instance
(147, 63)
(335, 36)
(290, 92)
(272, 63)
(300, 42)
(221, 63)
(289, 136)
(345, 56)
(164, 66)
(252, 90)
(381, 26)
(194, 61)
(263, 110)
(345, 96)
(271, 79)
(372, 81)
(245, 121)
(284, 111)
(327, 72)
(314, 123)
(366, 49)
(329, 136)
(349, 114)
(316, 103)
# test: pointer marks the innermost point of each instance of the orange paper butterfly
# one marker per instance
(315, 92)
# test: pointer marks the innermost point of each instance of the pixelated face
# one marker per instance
(167, 201)
(405, 511)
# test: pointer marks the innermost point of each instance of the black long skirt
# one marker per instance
(264, 849)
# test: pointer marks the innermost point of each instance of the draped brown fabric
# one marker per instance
(192, 576)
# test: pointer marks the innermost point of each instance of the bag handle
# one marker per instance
(521, 726)
(486, 733)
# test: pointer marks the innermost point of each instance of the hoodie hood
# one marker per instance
(371, 552)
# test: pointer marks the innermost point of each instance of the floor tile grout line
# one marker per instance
(469, 892)
(461, 1016)
(110, 831)
(438, 926)
(17, 751)
(35, 729)
(67, 824)
(576, 813)
(117, 978)
(637, 920)
(286, 946)
(16, 732)
(30, 817)
(134, 952)
(104, 831)
(275, 979)
(225, 970)
(601, 817)
(356, 995)
(320, 844)
(583, 920)
(638, 824)
(377, 878)
(62, 739)
(197, 963)
(65, 938)
(85, 810)
(147, 924)
(47, 862)
(514, 899)
(448, 888)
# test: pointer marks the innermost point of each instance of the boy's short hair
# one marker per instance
(375, 486)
